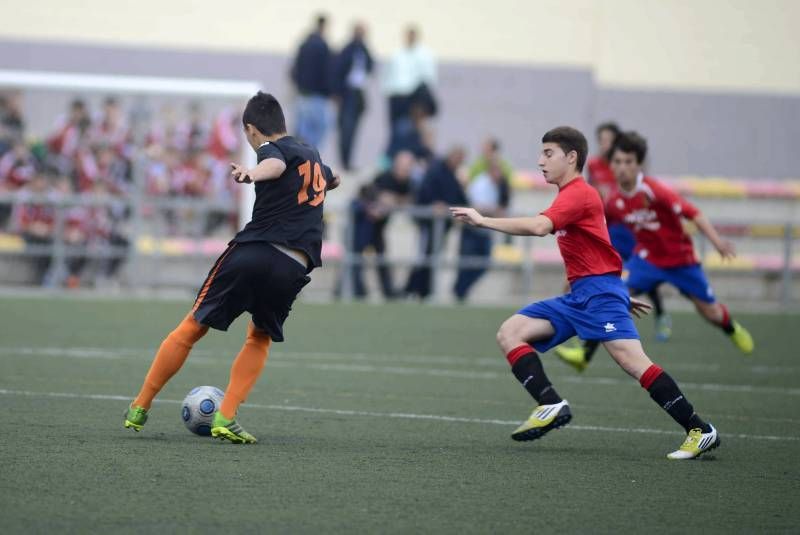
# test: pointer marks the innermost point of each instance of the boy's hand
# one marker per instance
(640, 308)
(726, 249)
(467, 215)
(239, 174)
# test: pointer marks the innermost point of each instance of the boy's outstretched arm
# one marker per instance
(539, 225)
(268, 169)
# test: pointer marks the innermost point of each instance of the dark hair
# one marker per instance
(611, 126)
(569, 139)
(320, 21)
(631, 142)
(264, 112)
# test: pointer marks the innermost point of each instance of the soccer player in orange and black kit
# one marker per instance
(262, 271)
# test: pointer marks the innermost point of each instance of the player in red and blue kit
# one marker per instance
(598, 307)
(664, 251)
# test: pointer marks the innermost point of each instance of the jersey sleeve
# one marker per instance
(269, 150)
(612, 214)
(568, 207)
(675, 202)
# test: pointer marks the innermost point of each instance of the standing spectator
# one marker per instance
(487, 193)
(353, 66)
(439, 189)
(371, 212)
(410, 74)
(311, 76)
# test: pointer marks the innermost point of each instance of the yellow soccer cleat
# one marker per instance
(574, 356)
(742, 339)
(696, 444)
(225, 429)
(544, 418)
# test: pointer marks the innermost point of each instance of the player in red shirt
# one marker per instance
(597, 307)
(664, 251)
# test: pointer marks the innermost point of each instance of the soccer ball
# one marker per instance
(198, 408)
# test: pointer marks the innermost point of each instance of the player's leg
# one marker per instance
(717, 314)
(245, 371)
(542, 325)
(692, 282)
(663, 320)
(168, 360)
(701, 436)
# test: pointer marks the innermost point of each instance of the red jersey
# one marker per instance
(601, 177)
(579, 225)
(653, 212)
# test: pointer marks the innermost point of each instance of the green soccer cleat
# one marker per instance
(135, 418)
(574, 356)
(741, 338)
(663, 327)
(544, 418)
(225, 429)
(696, 444)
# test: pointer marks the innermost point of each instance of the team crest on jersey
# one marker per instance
(560, 233)
(620, 204)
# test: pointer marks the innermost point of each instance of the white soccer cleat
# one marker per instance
(696, 444)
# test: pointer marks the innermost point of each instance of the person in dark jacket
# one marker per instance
(353, 66)
(439, 189)
(311, 74)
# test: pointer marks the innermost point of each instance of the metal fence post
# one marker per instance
(788, 237)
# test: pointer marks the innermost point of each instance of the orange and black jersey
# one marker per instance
(288, 209)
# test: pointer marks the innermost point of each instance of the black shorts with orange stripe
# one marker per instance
(250, 277)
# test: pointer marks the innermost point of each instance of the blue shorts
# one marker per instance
(597, 308)
(622, 239)
(690, 280)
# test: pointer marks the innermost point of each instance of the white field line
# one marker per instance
(398, 415)
(298, 360)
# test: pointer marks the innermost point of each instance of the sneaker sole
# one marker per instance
(539, 432)
(131, 425)
(713, 446)
(224, 433)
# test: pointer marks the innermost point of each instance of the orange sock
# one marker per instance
(245, 370)
(169, 358)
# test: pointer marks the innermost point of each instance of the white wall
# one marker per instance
(739, 45)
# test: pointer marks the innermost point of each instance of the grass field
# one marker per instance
(384, 419)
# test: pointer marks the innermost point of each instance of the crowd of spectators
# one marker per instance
(88, 154)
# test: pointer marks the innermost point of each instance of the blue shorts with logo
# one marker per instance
(690, 280)
(622, 239)
(597, 308)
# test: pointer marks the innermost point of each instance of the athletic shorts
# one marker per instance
(622, 239)
(690, 280)
(597, 308)
(254, 277)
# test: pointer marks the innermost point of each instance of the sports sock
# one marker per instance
(589, 349)
(726, 323)
(665, 392)
(245, 370)
(169, 358)
(527, 368)
(658, 304)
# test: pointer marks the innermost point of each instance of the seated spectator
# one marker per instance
(35, 222)
(371, 211)
(486, 194)
(439, 189)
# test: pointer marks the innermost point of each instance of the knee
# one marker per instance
(258, 337)
(507, 338)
